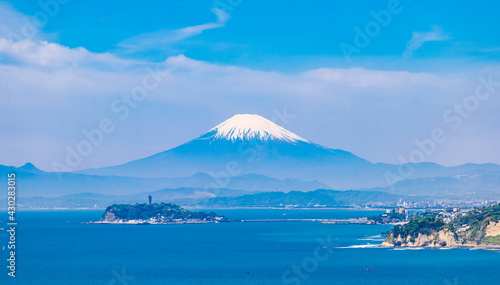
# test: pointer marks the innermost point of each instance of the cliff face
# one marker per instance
(493, 229)
(443, 238)
(109, 217)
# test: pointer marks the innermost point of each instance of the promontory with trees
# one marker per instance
(476, 228)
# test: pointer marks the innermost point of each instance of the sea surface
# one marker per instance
(58, 247)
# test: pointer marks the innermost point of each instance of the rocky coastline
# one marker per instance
(442, 238)
(478, 229)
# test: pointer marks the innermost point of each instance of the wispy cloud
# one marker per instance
(489, 49)
(43, 53)
(163, 40)
(24, 43)
(420, 38)
(10, 19)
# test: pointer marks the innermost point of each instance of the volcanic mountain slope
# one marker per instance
(246, 144)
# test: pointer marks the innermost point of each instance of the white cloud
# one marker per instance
(420, 38)
(163, 40)
(73, 96)
(22, 41)
(43, 53)
(11, 20)
(364, 78)
(17, 26)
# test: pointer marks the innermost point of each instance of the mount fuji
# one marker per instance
(246, 144)
(250, 144)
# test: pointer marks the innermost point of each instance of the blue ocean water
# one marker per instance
(57, 247)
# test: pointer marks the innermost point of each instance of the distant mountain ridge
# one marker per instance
(217, 198)
(35, 182)
(183, 196)
(251, 144)
(321, 197)
(251, 153)
(461, 187)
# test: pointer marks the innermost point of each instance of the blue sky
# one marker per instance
(251, 57)
(273, 31)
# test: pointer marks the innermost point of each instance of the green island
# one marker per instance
(157, 213)
(479, 228)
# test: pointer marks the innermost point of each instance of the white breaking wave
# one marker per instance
(372, 239)
(247, 126)
(361, 246)
(408, 248)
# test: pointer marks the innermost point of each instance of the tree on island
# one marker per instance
(150, 199)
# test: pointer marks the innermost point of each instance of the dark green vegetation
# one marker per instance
(425, 226)
(495, 239)
(477, 220)
(479, 216)
(469, 228)
(167, 211)
(303, 199)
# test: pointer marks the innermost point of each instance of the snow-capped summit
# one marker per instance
(248, 127)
